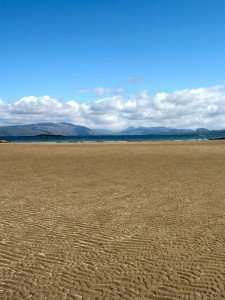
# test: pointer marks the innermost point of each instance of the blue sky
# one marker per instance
(87, 50)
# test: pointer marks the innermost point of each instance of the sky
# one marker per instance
(113, 63)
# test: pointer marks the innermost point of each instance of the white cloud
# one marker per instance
(189, 108)
(102, 91)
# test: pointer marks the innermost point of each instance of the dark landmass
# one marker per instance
(220, 138)
(48, 135)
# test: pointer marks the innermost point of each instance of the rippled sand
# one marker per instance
(113, 221)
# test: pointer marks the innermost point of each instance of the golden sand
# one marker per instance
(112, 221)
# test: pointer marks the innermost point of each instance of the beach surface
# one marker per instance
(112, 221)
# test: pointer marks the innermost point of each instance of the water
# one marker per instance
(111, 138)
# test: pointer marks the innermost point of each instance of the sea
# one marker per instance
(111, 138)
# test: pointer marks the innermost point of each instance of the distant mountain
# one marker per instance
(159, 130)
(202, 130)
(66, 129)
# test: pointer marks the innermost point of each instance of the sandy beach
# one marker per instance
(112, 221)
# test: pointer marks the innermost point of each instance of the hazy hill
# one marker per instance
(63, 128)
(161, 130)
(154, 130)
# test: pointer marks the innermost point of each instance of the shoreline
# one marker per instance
(119, 142)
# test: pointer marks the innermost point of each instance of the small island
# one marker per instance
(48, 135)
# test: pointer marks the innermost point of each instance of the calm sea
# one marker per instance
(112, 138)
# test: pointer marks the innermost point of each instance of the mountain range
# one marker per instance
(68, 129)
(160, 130)
(63, 128)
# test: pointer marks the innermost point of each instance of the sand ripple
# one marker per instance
(134, 221)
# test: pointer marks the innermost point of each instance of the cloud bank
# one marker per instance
(188, 108)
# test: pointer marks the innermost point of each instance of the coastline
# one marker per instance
(210, 141)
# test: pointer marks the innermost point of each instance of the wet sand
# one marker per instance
(112, 221)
